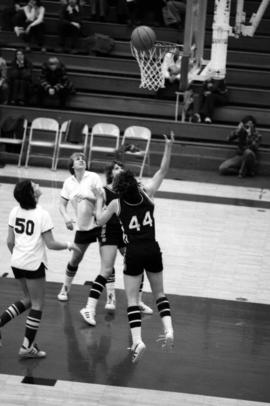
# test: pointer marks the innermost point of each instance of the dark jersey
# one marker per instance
(137, 220)
(109, 196)
(113, 225)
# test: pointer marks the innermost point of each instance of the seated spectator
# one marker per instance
(174, 13)
(98, 9)
(214, 93)
(171, 66)
(20, 79)
(3, 81)
(128, 12)
(70, 28)
(8, 14)
(54, 82)
(29, 23)
(244, 162)
(150, 12)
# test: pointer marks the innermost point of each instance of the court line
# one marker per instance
(231, 201)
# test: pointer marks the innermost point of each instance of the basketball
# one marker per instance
(143, 38)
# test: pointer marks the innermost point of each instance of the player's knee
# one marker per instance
(26, 301)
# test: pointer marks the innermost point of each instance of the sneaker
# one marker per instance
(110, 304)
(63, 294)
(167, 340)
(32, 352)
(88, 315)
(145, 309)
(207, 120)
(137, 352)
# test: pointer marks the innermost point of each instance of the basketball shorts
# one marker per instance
(87, 237)
(22, 273)
(113, 236)
(143, 256)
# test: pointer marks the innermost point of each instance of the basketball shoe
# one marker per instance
(31, 352)
(144, 308)
(88, 315)
(137, 351)
(63, 294)
(167, 340)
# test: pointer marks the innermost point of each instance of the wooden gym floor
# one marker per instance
(215, 243)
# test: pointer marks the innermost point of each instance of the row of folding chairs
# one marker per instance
(105, 141)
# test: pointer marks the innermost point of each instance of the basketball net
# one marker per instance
(150, 64)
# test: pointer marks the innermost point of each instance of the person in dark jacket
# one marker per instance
(214, 93)
(20, 79)
(70, 26)
(248, 139)
(54, 82)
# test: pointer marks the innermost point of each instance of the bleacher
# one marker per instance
(108, 89)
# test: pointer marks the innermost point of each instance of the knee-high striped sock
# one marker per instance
(11, 312)
(32, 325)
(70, 274)
(96, 290)
(163, 306)
(135, 323)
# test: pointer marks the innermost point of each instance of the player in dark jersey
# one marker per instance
(135, 210)
(110, 240)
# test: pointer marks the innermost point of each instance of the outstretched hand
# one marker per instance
(169, 139)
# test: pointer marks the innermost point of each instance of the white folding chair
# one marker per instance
(105, 138)
(135, 146)
(15, 141)
(43, 135)
(64, 144)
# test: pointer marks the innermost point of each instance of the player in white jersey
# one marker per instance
(78, 190)
(29, 232)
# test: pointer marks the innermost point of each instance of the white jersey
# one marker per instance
(29, 250)
(84, 209)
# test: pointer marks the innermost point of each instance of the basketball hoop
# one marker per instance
(150, 63)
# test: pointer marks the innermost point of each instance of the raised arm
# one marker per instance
(158, 177)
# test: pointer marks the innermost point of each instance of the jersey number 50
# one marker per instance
(23, 226)
(134, 222)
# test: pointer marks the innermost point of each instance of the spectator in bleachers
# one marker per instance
(98, 9)
(54, 82)
(8, 14)
(29, 23)
(171, 66)
(174, 13)
(248, 139)
(128, 12)
(150, 12)
(70, 27)
(20, 79)
(214, 93)
(3, 81)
